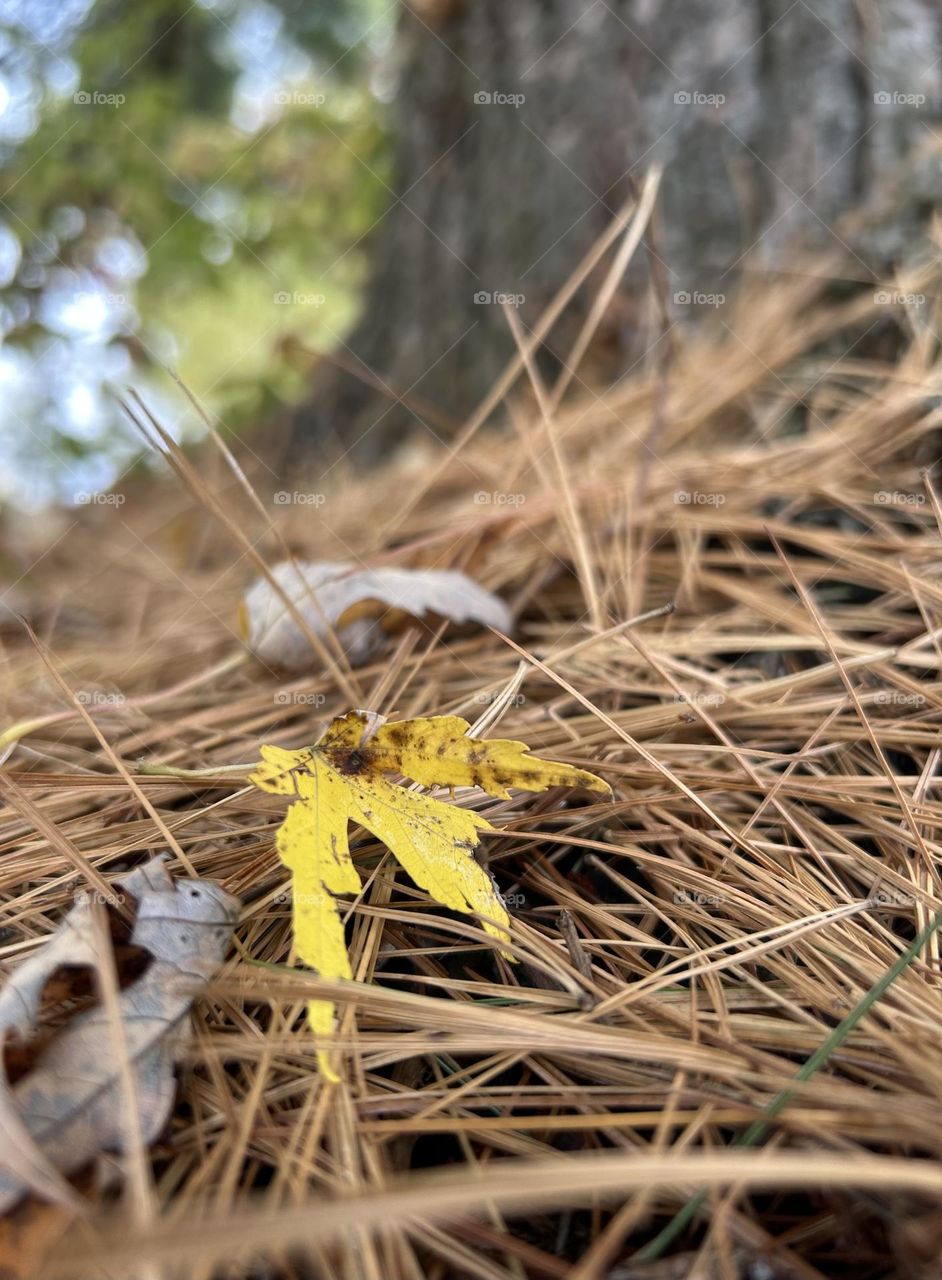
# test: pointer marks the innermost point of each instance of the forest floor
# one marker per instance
(706, 1020)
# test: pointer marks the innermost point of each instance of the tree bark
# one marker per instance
(521, 126)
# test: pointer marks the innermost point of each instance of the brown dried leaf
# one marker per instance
(69, 1107)
(27, 1235)
(328, 594)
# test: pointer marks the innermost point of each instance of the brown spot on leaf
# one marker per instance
(348, 762)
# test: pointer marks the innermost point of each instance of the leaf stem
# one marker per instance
(171, 771)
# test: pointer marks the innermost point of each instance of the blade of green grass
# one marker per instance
(759, 1128)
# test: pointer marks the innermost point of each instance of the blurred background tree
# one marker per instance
(520, 128)
(311, 210)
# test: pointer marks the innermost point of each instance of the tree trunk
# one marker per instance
(522, 125)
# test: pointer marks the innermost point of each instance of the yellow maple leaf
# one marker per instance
(341, 780)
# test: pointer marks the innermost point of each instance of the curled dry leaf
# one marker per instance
(27, 1235)
(354, 602)
(69, 1107)
(341, 780)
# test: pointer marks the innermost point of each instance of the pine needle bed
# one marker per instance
(726, 579)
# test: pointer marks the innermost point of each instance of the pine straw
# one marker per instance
(771, 849)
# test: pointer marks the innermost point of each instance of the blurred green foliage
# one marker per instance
(184, 183)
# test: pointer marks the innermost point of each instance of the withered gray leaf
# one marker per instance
(69, 1107)
(323, 591)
